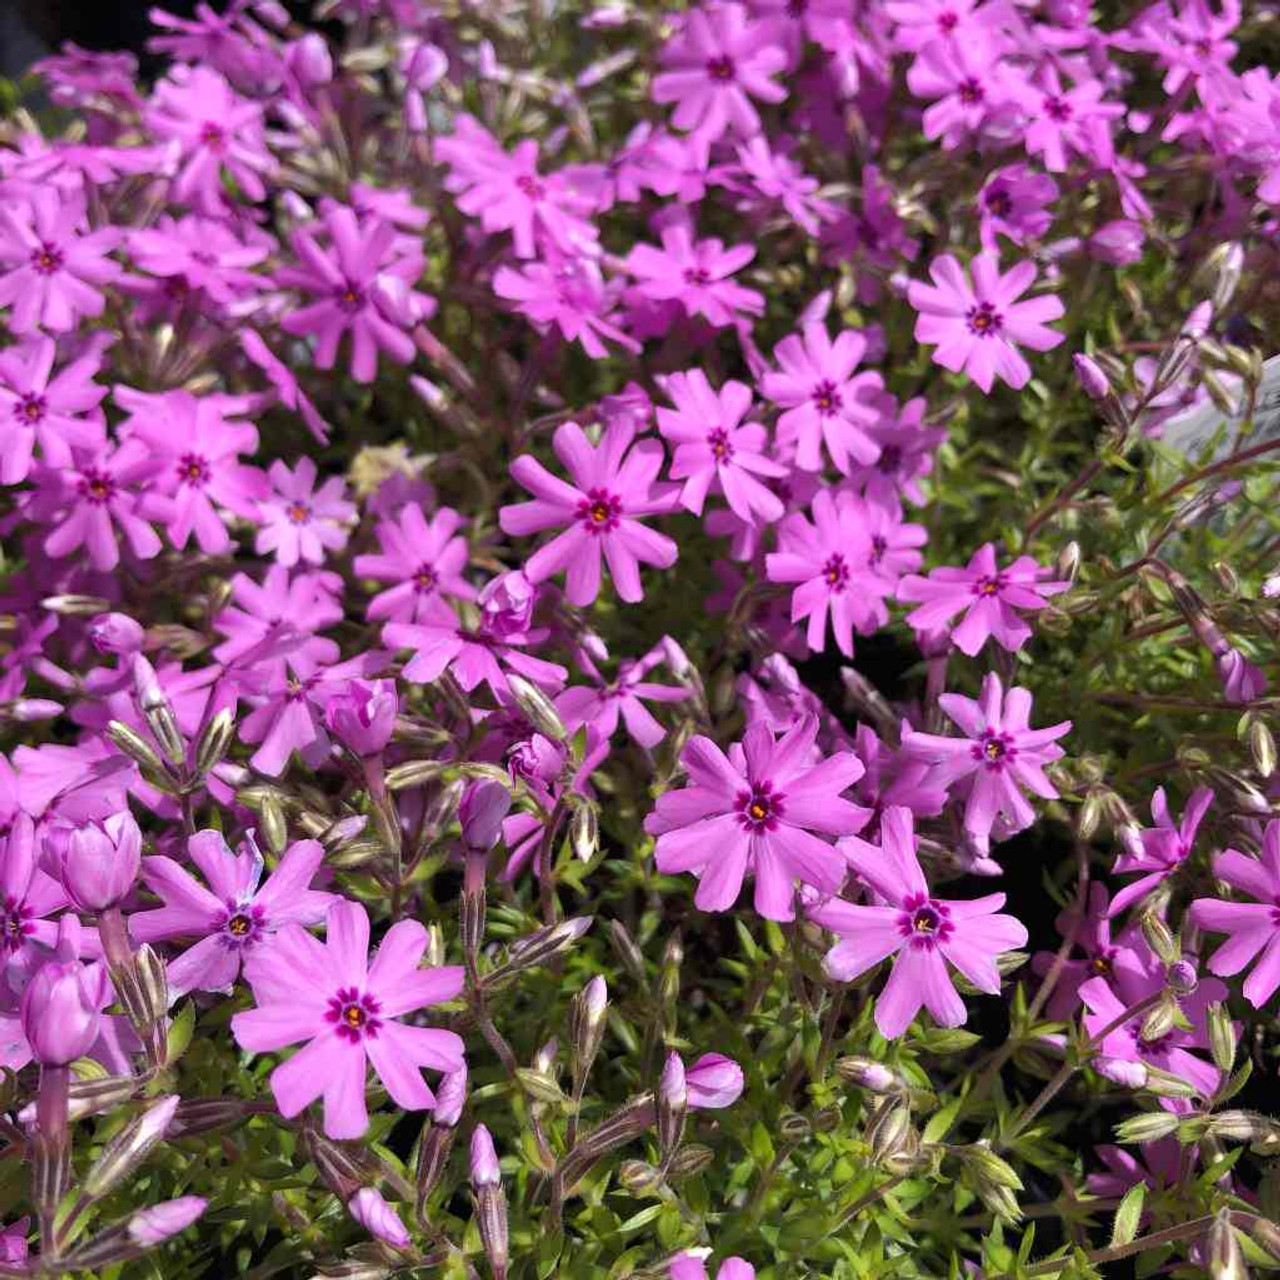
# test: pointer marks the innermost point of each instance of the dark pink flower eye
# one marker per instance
(720, 68)
(984, 320)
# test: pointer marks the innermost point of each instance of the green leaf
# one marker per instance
(1128, 1214)
(941, 1121)
(181, 1030)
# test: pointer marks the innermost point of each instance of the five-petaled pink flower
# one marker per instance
(424, 562)
(347, 1009)
(299, 521)
(922, 931)
(978, 327)
(714, 67)
(1253, 927)
(999, 754)
(988, 596)
(822, 398)
(696, 275)
(613, 485)
(1157, 852)
(714, 447)
(756, 810)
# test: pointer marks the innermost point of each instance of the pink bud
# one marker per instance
(154, 1226)
(451, 1095)
(508, 603)
(115, 633)
(100, 861)
(538, 759)
(377, 1217)
(1117, 243)
(363, 715)
(309, 59)
(714, 1081)
(62, 1010)
(485, 1171)
(29, 710)
(671, 1087)
(484, 805)
(1091, 378)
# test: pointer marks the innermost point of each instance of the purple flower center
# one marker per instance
(213, 136)
(30, 408)
(924, 922)
(351, 298)
(998, 201)
(1058, 109)
(760, 808)
(241, 925)
(890, 459)
(354, 1015)
(947, 22)
(721, 447)
(47, 259)
(995, 750)
(530, 186)
(879, 546)
(988, 586)
(1203, 46)
(599, 511)
(425, 579)
(298, 512)
(193, 470)
(721, 68)
(970, 92)
(1103, 963)
(96, 486)
(836, 572)
(697, 275)
(826, 398)
(16, 923)
(984, 320)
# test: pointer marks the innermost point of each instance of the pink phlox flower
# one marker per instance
(966, 83)
(895, 542)
(507, 193)
(290, 708)
(38, 406)
(348, 1011)
(672, 166)
(601, 703)
(907, 448)
(1253, 928)
(691, 1266)
(613, 486)
(568, 293)
(824, 402)
(830, 559)
(229, 42)
(27, 897)
(1161, 1165)
(922, 932)
(301, 522)
(425, 561)
(77, 784)
(713, 1082)
(769, 171)
(1058, 119)
(197, 448)
(1015, 202)
(105, 489)
(978, 327)
(828, 23)
(774, 695)
(988, 596)
(203, 254)
(1000, 754)
(214, 130)
(713, 448)
(473, 654)
(362, 285)
(392, 204)
(265, 622)
(756, 810)
(1124, 1055)
(892, 777)
(1190, 40)
(696, 275)
(51, 268)
(1157, 852)
(877, 236)
(714, 67)
(923, 22)
(235, 914)
(76, 76)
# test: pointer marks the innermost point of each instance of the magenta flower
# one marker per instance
(1060, 120)
(601, 703)
(773, 174)
(1164, 1163)
(696, 275)
(907, 448)
(1160, 850)
(689, 1266)
(197, 451)
(822, 398)
(713, 69)
(363, 716)
(831, 561)
(988, 596)
(713, 1082)
(233, 916)
(347, 1009)
(38, 406)
(756, 810)
(88, 501)
(50, 268)
(1253, 927)
(999, 753)
(964, 81)
(424, 561)
(922, 931)
(216, 131)
(301, 522)
(362, 285)
(1015, 202)
(978, 328)
(205, 254)
(278, 617)
(922, 22)
(27, 896)
(613, 485)
(569, 294)
(712, 447)
(1124, 1055)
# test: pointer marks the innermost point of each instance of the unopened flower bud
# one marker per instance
(584, 832)
(1222, 1037)
(889, 1131)
(150, 1227)
(624, 946)
(115, 633)
(637, 1176)
(538, 708)
(793, 1127)
(1225, 1261)
(1149, 1127)
(869, 1075)
(1262, 747)
(1160, 1020)
(1160, 937)
(484, 805)
(1166, 1085)
(100, 861)
(127, 1150)
(1093, 381)
(691, 1160)
(1182, 977)
(540, 1086)
(587, 1025)
(378, 1218)
(491, 1202)
(673, 1104)
(669, 974)
(1227, 262)
(1267, 1234)
(139, 750)
(309, 59)
(713, 1082)
(214, 741)
(485, 1170)
(451, 1096)
(61, 1010)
